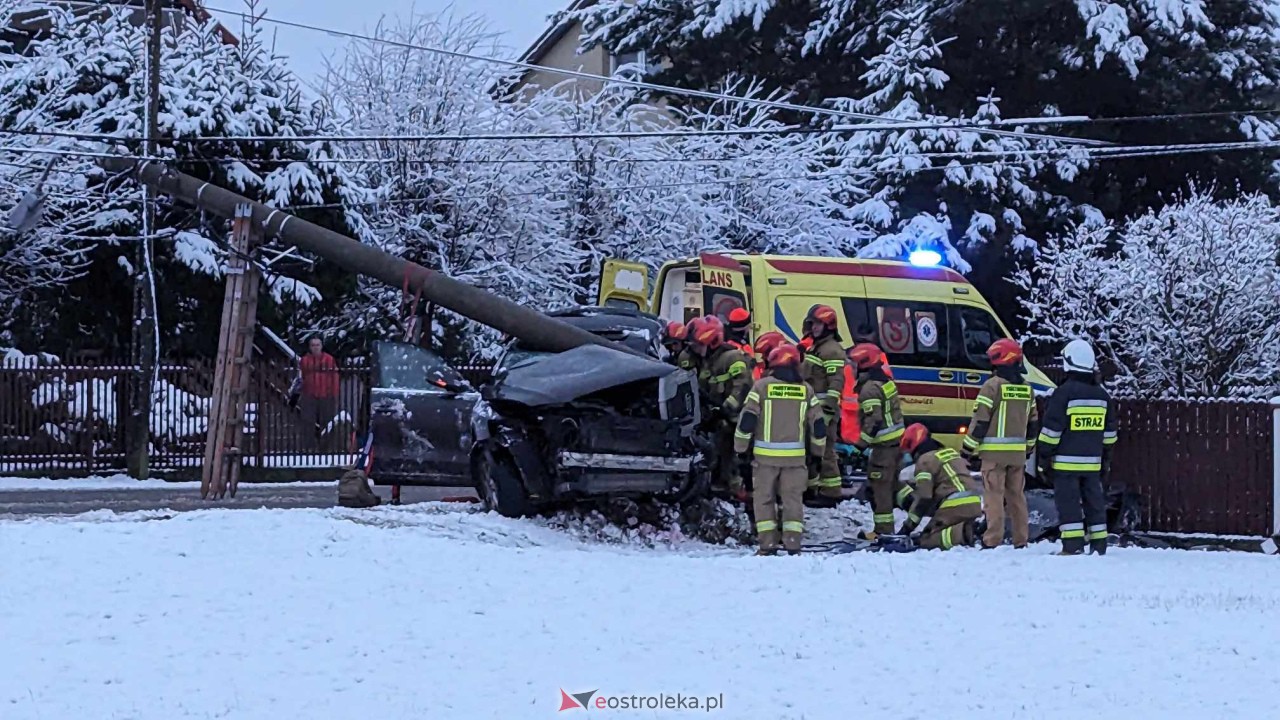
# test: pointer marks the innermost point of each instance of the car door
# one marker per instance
(420, 417)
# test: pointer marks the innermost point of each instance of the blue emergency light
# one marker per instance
(925, 258)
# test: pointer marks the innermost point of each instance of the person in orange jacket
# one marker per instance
(736, 330)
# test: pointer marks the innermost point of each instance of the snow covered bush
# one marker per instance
(1183, 301)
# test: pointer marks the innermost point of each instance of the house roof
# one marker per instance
(30, 21)
(555, 33)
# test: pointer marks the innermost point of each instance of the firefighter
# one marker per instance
(766, 344)
(675, 337)
(780, 426)
(823, 369)
(724, 373)
(1002, 434)
(736, 330)
(881, 430)
(944, 491)
(1075, 450)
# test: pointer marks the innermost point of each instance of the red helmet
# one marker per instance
(768, 342)
(865, 356)
(913, 436)
(823, 315)
(785, 355)
(739, 318)
(707, 332)
(675, 332)
(1004, 352)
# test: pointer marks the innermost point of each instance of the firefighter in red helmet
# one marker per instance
(781, 425)
(736, 330)
(823, 369)
(882, 427)
(945, 492)
(725, 377)
(1002, 435)
(765, 344)
(675, 338)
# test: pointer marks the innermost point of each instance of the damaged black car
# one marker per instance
(548, 428)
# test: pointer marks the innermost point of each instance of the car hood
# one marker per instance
(565, 377)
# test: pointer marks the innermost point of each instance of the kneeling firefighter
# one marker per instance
(1075, 450)
(781, 425)
(944, 491)
(724, 373)
(882, 428)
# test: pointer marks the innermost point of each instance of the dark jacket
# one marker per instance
(1079, 427)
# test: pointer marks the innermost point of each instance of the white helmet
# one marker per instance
(1078, 356)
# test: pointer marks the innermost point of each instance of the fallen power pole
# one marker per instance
(536, 330)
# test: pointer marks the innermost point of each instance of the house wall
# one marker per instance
(564, 55)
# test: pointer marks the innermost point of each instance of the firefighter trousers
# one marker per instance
(882, 475)
(827, 483)
(771, 483)
(947, 529)
(726, 459)
(1082, 511)
(1003, 487)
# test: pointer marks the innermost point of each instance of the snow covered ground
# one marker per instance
(441, 611)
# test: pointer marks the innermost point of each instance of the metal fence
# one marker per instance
(1200, 466)
(72, 420)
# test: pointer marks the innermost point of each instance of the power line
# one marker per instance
(639, 84)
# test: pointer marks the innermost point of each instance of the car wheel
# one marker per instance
(499, 486)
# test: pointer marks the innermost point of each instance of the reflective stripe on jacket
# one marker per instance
(881, 410)
(726, 375)
(780, 420)
(823, 369)
(1002, 414)
(1079, 427)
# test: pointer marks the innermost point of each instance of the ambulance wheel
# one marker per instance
(498, 483)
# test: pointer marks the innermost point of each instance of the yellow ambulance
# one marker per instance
(934, 326)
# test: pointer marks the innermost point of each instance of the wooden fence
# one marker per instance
(1200, 466)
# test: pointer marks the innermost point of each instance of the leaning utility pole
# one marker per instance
(146, 330)
(536, 330)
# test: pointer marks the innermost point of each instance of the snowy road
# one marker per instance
(439, 611)
(28, 498)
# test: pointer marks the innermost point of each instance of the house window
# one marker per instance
(636, 59)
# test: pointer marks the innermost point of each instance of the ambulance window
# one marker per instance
(911, 333)
(978, 329)
(857, 320)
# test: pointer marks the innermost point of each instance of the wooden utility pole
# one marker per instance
(146, 329)
(224, 443)
(538, 331)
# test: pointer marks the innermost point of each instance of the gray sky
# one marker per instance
(520, 21)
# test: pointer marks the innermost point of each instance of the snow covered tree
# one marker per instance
(1184, 301)
(532, 220)
(1096, 58)
(77, 91)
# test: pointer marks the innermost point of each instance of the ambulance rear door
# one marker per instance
(724, 285)
(624, 284)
